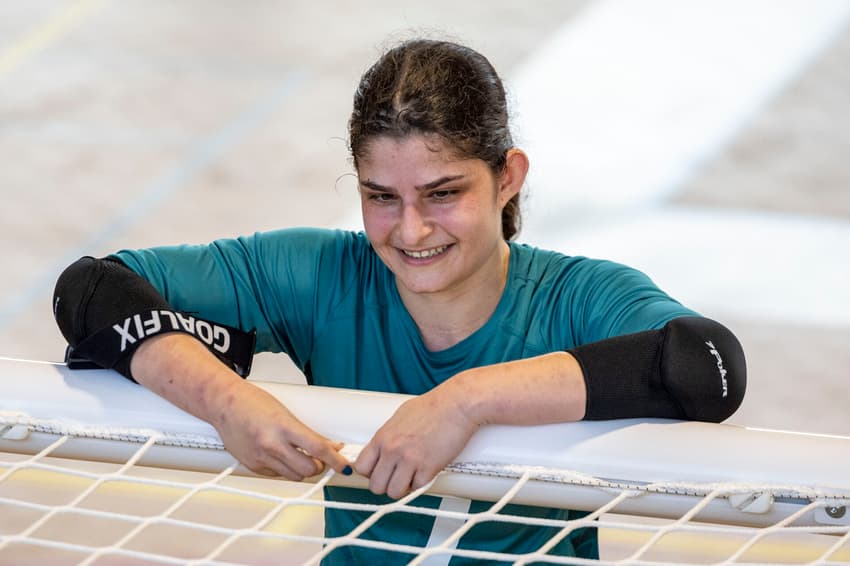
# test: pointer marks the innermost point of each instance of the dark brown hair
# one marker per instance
(437, 88)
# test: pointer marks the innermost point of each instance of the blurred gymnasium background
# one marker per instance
(704, 142)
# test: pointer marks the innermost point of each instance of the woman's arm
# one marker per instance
(693, 368)
(254, 426)
(428, 431)
(93, 296)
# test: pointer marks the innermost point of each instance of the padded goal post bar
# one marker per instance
(763, 476)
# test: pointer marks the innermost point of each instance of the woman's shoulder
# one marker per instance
(577, 275)
(536, 262)
(310, 236)
(308, 242)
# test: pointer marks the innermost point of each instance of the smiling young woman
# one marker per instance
(435, 299)
(435, 220)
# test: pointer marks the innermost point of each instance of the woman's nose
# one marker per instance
(414, 227)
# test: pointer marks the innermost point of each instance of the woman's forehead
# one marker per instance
(415, 161)
(387, 152)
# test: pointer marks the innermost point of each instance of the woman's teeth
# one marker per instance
(425, 253)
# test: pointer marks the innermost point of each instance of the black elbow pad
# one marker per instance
(94, 293)
(704, 368)
(693, 368)
(105, 311)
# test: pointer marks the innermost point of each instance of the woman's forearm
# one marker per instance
(181, 369)
(540, 390)
(254, 426)
(693, 368)
(428, 431)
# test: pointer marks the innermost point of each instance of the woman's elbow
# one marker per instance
(704, 368)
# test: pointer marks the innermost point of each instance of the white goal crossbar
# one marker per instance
(687, 472)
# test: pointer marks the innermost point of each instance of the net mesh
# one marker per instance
(62, 511)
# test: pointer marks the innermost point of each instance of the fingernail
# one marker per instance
(347, 471)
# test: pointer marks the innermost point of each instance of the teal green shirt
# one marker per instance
(327, 300)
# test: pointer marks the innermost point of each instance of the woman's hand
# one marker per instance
(254, 426)
(268, 439)
(428, 432)
(424, 435)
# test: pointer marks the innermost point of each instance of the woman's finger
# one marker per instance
(366, 460)
(300, 461)
(277, 468)
(326, 451)
(381, 474)
(422, 477)
(399, 483)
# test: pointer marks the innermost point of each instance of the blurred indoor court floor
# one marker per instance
(136, 123)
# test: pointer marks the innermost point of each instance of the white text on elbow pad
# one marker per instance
(135, 328)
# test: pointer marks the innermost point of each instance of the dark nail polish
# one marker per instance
(347, 471)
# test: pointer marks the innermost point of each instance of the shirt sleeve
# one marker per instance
(281, 283)
(613, 299)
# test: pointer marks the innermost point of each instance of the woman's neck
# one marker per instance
(445, 319)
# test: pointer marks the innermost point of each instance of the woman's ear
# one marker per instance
(512, 178)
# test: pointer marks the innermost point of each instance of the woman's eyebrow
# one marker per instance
(438, 182)
(430, 185)
(375, 186)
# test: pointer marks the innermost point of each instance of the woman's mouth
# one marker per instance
(425, 254)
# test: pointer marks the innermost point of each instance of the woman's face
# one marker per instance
(434, 219)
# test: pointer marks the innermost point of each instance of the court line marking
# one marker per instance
(629, 99)
(200, 156)
(616, 120)
(49, 32)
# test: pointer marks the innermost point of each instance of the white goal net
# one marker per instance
(94, 470)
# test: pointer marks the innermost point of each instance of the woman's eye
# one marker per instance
(381, 198)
